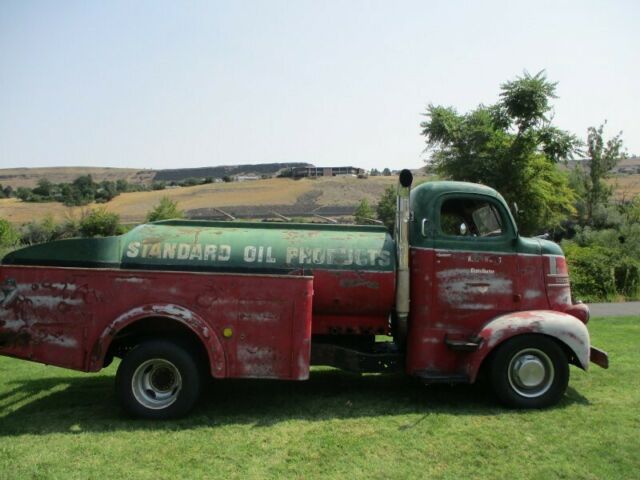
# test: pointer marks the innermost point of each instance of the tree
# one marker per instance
(510, 146)
(100, 223)
(386, 172)
(166, 209)
(386, 208)
(44, 188)
(603, 156)
(364, 213)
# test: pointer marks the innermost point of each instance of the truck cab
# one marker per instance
(481, 292)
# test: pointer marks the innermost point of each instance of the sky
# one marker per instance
(159, 84)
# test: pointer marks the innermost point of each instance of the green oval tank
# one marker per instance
(223, 246)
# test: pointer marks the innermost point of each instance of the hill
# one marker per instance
(223, 170)
(28, 177)
(255, 198)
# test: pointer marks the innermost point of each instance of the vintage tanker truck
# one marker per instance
(457, 288)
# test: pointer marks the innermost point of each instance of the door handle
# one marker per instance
(442, 255)
(423, 229)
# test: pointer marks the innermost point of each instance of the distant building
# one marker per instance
(246, 178)
(298, 172)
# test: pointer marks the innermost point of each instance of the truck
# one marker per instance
(455, 292)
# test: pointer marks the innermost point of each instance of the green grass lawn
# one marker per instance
(60, 424)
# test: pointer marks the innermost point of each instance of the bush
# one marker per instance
(100, 223)
(166, 209)
(386, 208)
(364, 213)
(9, 236)
(601, 273)
(39, 231)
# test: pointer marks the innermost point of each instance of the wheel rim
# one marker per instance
(156, 383)
(531, 373)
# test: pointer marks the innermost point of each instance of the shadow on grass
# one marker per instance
(88, 404)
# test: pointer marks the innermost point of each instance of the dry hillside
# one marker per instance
(28, 177)
(132, 207)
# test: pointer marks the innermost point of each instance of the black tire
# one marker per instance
(158, 380)
(529, 371)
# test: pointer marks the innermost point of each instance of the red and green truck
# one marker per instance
(179, 301)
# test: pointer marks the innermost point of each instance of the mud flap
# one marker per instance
(599, 357)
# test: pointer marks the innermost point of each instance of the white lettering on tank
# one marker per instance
(155, 251)
(249, 253)
(169, 251)
(183, 251)
(210, 252)
(196, 252)
(224, 253)
(270, 258)
(385, 258)
(319, 255)
(292, 252)
(133, 249)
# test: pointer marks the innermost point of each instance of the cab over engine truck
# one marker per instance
(457, 288)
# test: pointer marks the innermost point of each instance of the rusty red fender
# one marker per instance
(561, 326)
(180, 314)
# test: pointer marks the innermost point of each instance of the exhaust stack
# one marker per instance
(401, 236)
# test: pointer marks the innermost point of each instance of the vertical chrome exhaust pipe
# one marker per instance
(401, 237)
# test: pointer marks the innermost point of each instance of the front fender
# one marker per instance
(563, 327)
(174, 312)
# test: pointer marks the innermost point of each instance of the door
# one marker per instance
(474, 262)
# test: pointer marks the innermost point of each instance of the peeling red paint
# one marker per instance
(59, 313)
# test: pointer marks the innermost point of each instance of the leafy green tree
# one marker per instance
(386, 172)
(364, 213)
(24, 194)
(100, 223)
(603, 156)
(510, 146)
(386, 208)
(166, 209)
(44, 188)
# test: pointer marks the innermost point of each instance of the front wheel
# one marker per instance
(529, 371)
(158, 380)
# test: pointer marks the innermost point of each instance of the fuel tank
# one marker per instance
(353, 266)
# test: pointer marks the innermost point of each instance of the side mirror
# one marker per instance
(514, 208)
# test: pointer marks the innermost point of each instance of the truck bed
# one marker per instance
(252, 325)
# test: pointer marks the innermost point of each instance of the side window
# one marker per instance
(470, 217)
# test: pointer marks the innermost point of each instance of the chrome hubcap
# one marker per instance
(156, 383)
(531, 372)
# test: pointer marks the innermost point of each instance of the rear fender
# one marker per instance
(565, 328)
(173, 312)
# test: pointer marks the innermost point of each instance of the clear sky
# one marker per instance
(158, 84)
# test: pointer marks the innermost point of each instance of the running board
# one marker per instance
(432, 377)
(354, 360)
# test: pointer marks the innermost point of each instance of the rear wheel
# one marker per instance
(158, 380)
(529, 371)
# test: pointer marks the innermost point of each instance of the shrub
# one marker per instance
(364, 213)
(39, 231)
(602, 273)
(166, 209)
(100, 223)
(9, 236)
